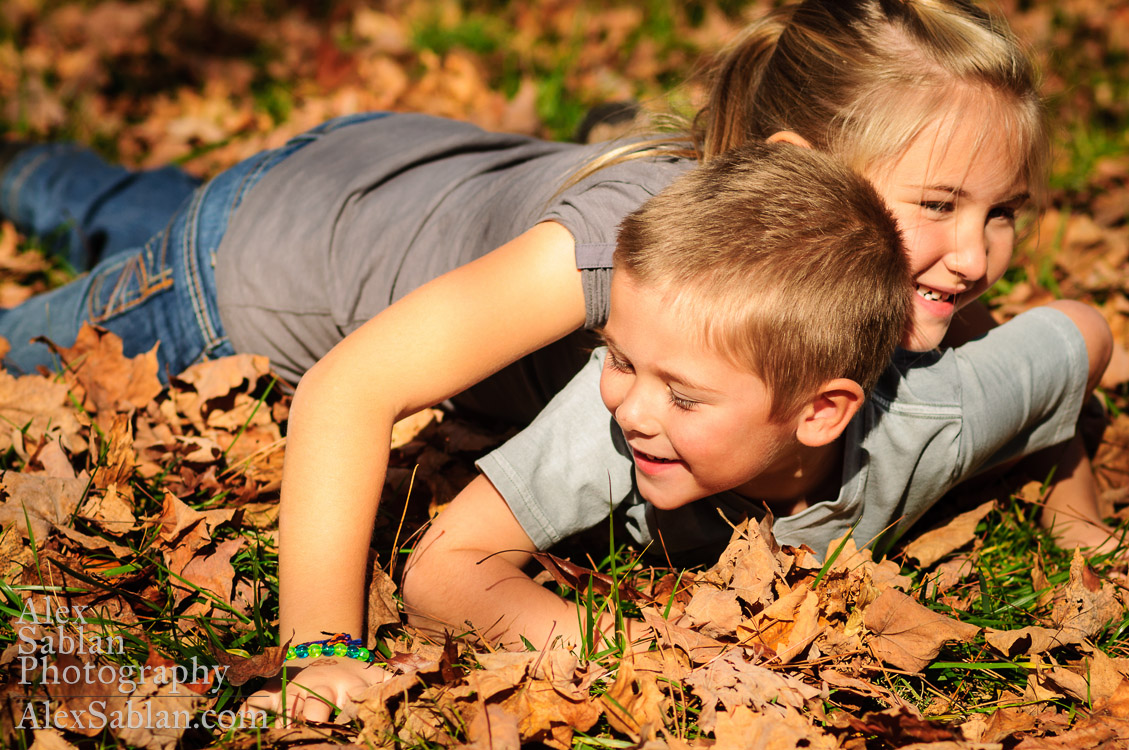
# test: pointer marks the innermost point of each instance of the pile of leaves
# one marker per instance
(149, 513)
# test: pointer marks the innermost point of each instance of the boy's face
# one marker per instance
(955, 195)
(697, 424)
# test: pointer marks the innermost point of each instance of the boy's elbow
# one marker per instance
(1095, 332)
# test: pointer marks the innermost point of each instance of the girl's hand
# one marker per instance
(314, 687)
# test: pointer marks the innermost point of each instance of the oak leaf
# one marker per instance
(109, 380)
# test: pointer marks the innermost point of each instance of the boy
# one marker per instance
(754, 304)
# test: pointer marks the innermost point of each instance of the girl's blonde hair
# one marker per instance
(861, 79)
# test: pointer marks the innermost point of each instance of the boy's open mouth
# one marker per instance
(656, 459)
(933, 295)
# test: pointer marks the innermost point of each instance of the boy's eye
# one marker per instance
(682, 403)
(616, 363)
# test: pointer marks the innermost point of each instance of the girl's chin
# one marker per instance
(924, 339)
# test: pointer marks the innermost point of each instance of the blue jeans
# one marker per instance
(147, 240)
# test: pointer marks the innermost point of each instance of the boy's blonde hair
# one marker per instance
(785, 260)
(861, 79)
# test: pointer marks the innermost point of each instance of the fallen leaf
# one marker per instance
(715, 612)
(110, 380)
(935, 544)
(908, 635)
(1086, 604)
(240, 669)
(47, 502)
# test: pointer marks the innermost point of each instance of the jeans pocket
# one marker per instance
(129, 280)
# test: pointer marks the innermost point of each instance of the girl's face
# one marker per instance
(955, 195)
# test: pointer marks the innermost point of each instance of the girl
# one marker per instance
(931, 99)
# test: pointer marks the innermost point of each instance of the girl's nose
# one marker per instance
(968, 258)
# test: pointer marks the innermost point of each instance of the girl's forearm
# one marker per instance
(336, 457)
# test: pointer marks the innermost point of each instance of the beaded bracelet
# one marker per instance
(341, 644)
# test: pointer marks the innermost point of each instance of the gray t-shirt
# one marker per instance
(934, 420)
(368, 212)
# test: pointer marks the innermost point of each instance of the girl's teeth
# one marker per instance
(933, 294)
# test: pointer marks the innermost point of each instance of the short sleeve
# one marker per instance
(569, 469)
(1022, 387)
(592, 209)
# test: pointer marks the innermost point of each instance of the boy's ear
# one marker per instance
(827, 415)
(789, 136)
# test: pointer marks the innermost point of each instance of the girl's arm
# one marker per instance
(442, 338)
(1071, 508)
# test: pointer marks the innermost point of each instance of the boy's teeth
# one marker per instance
(933, 294)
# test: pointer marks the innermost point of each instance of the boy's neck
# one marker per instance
(814, 476)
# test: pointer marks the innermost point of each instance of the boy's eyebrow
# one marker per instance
(665, 374)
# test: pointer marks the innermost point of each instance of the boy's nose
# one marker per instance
(633, 414)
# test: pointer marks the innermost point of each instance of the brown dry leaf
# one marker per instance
(896, 725)
(16, 555)
(493, 728)
(1029, 640)
(116, 462)
(907, 635)
(787, 626)
(635, 705)
(698, 648)
(50, 739)
(714, 612)
(544, 715)
(501, 671)
(239, 669)
(749, 564)
(116, 698)
(935, 544)
(213, 574)
(732, 682)
(109, 511)
(46, 501)
(382, 607)
(1107, 676)
(1085, 604)
(744, 728)
(1056, 683)
(215, 379)
(406, 429)
(110, 380)
(41, 408)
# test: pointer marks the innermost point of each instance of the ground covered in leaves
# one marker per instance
(137, 523)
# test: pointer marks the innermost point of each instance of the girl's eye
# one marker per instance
(1007, 213)
(682, 403)
(616, 363)
(940, 207)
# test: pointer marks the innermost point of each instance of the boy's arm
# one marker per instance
(466, 575)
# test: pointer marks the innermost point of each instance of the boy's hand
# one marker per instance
(313, 688)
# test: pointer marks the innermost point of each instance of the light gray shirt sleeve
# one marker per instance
(568, 470)
(1022, 387)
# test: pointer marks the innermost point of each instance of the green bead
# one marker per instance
(340, 649)
(365, 654)
(315, 649)
(291, 654)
